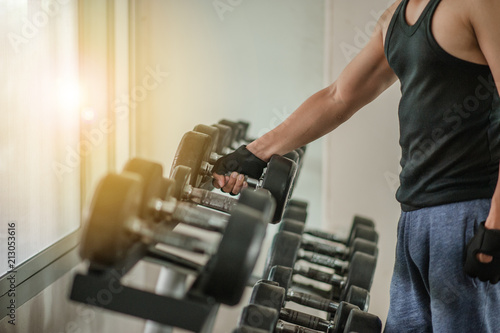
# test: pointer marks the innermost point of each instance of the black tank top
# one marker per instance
(449, 118)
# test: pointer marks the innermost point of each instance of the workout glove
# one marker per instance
(488, 242)
(242, 161)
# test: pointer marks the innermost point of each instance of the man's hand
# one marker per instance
(230, 184)
(483, 255)
(240, 162)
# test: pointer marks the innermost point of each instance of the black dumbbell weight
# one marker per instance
(342, 252)
(284, 252)
(278, 177)
(113, 229)
(164, 206)
(298, 203)
(293, 316)
(361, 227)
(274, 295)
(225, 137)
(355, 295)
(361, 322)
(238, 131)
(266, 319)
(260, 199)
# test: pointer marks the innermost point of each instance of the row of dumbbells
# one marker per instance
(139, 208)
(346, 265)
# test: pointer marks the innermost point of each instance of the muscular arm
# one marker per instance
(485, 20)
(366, 77)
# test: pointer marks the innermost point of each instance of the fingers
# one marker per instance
(230, 184)
(234, 183)
(483, 258)
(219, 180)
(228, 188)
(238, 185)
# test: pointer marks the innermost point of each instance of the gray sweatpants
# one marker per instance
(429, 290)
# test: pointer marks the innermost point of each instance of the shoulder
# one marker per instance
(385, 19)
(482, 14)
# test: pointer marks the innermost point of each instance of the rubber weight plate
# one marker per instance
(341, 316)
(228, 271)
(291, 226)
(225, 136)
(365, 233)
(283, 251)
(363, 245)
(361, 272)
(295, 213)
(298, 203)
(359, 297)
(248, 329)
(235, 128)
(278, 180)
(259, 199)
(117, 199)
(211, 131)
(359, 220)
(168, 188)
(282, 275)
(268, 295)
(362, 322)
(193, 150)
(182, 177)
(245, 125)
(259, 316)
(152, 178)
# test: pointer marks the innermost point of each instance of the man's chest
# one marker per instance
(450, 27)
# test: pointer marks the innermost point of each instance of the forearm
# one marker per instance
(318, 115)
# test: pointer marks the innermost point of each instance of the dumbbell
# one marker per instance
(220, 138)
(271, 293)
(294, 212)
(260, 199)
(281, 327)
(341, 252)
(298, 203)
(287, 248)
(239, 130)
(114, 229)
(193, 152)
(248, 329)
(274, 295)
(361, 227)
(160, 203)
(283, 276)
(284, 251)
(215, 135)
(267, 318)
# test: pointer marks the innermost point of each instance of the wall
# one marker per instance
(362, 161)
(257, 61)
(254, 60)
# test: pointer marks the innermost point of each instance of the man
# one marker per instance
(446, 54)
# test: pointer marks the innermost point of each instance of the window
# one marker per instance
(39, 125)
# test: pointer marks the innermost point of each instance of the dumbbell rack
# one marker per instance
(113, 256)
(193, 312)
